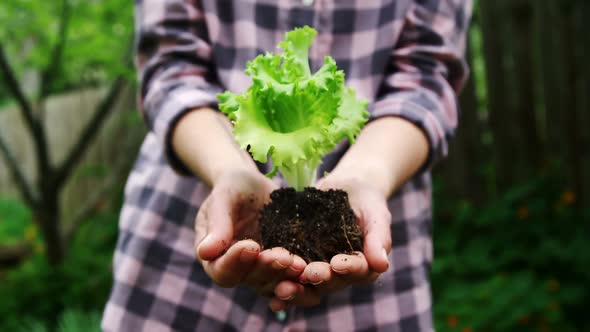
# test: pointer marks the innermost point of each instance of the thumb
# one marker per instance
(377, 243)
(219, 226)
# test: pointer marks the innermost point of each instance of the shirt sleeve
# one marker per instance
(426, 70)
(176, 71)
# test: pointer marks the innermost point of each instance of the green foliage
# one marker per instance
(77, 321)
(93, 171)
(37, 292)
(97, 38)
(15, 222)
(70, 321)
(292, 115)
(518, 264)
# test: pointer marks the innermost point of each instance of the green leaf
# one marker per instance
(96, 40)
(292, 115)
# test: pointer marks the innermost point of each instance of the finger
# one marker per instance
(286, 290)
(371, 278)
(292, 293)
(376, 252)
(336, 283)
(200, 229)
(271, 265)
(307, 296)
(219, 226)
(354, 269)
(277, 258)
(266, 289)
(377, 242)
(277, 305)
(233, 266)
(350, 267)
(316, 273)
(347, 270)
(270, 271)
(295, 270)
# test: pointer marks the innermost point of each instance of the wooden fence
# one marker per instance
(65, 117)
(526, 109)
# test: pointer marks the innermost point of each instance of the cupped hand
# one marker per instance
(226, 232)
(370, 207)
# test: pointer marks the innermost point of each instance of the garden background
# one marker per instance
(512, 214)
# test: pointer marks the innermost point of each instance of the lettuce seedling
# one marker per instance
(292, 115)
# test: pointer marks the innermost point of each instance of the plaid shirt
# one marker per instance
(404, 56)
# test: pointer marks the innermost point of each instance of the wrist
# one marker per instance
(387, 152)
(232, 172)
(371, 173)
(202, 140)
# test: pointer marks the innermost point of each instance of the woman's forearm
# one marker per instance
(203, 141)
(387, 152)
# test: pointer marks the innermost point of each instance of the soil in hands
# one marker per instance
(313, 224)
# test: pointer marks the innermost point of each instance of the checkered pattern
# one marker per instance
(404, 56)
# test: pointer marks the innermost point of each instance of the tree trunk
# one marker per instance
(526, 105)
(470, 133)
(551, 61)
(583, 49)
(48, 216)
(575, 147)
(500, 115)
(540, 77)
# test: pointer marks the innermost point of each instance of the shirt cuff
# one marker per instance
(169, 109)
(421, 116)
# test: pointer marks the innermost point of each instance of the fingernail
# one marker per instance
(343, 271)
(206, 239)
(248, 255)
(203, 242)
(278, 265)
(317, 282)
(385, 256)
(253, 249)
(288, 298)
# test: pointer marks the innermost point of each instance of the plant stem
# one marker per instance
(300, 175)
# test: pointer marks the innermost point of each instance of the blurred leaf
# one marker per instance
(78, 321)
(71, 320)
(31, 325)
(15, 218)
(92, 171)
(82, 283)
(496, 270)
(99, 36)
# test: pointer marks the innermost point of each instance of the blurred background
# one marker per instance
(512, 217)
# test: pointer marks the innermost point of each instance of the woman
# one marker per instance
(192, 192)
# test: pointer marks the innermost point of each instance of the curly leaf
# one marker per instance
(290, 114)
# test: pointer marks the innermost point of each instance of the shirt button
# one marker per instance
(307, 2)
(281, 315)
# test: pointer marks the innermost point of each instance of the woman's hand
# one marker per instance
(227, 222)
(227, 230)
(370, 206)
(387, 152)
